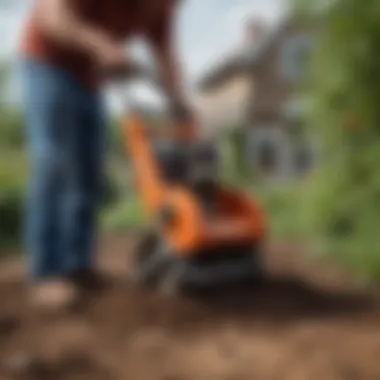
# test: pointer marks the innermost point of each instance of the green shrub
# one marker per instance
(342, 207)
(11, 211)
(343, 212)
(12, 195)
(11, 129)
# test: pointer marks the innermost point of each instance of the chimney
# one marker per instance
(255, 31)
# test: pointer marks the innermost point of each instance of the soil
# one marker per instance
(308, 321)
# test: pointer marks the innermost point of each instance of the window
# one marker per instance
(268, 156)
(266, 149)
(295, 53)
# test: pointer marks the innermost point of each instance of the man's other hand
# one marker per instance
(182, 112)
(113, 61)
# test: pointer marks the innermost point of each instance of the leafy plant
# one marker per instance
(343, 205)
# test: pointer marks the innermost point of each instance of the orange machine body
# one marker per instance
(238, 219)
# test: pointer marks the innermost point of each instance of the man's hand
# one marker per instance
(182, 112)
(110, 55)
(113, 61)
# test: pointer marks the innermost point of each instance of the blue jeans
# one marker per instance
(66, 135)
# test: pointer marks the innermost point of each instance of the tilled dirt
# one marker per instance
(307, 322)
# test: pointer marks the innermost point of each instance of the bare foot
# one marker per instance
(53, 295)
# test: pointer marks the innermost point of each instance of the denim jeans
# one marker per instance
(66, 134)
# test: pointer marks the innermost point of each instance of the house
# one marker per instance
(266, 73)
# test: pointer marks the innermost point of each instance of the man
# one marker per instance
(67, 47)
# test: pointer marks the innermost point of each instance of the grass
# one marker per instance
(283, 209)
(125, 215)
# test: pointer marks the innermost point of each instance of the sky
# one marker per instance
(207, 30)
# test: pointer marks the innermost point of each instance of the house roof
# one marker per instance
(242, 62)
